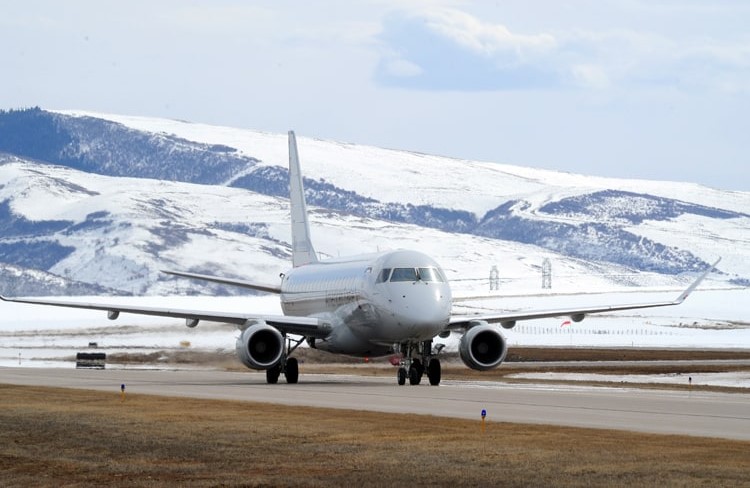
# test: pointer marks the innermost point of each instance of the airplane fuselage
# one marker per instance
(374, 301)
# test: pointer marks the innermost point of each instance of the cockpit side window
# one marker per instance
(430, 274)
(385, 273)
(404, 274)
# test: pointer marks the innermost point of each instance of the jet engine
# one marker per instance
(260, 346)
(482, 347)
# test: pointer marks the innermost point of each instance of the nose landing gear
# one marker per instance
(413, 368)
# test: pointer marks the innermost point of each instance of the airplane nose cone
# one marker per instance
(425, 308)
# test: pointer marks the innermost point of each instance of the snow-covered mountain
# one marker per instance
(108, 201)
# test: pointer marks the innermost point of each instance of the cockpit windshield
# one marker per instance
(430, 274)
(404, 274)
(411, 274)
(385, 273)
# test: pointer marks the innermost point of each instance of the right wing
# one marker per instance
(226, 281)
(509, 319)
(305, 326)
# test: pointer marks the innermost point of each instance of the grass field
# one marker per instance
(56, 437)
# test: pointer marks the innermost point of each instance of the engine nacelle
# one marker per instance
(260, 346)
(482, 347)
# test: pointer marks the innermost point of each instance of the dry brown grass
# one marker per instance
(56, 437)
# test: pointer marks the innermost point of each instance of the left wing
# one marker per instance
(306, 326)
(509, 319)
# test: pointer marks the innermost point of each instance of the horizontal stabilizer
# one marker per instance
(226, 281)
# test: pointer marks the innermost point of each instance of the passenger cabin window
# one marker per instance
(385, 273)
(404, 274)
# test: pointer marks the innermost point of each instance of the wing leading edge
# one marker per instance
(306, 326)
(576, 314)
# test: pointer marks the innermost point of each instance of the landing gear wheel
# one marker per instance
(401, 376)
(272, 374)
(415, 376)
(417, 364)
(292, 371)
(434, 372)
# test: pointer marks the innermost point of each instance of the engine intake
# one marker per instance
(482, 347)
(260, 346)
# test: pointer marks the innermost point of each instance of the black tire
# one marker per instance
(434, 371)
(292, 371)
(401, 376)
(272, 374)
(417, 364)
(415, 377)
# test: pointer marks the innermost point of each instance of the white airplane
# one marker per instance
(367, 305)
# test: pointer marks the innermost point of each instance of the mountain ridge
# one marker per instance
(616, 227)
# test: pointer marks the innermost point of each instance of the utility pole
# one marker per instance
(546, 274)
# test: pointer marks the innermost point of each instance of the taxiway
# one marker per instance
(695, 413)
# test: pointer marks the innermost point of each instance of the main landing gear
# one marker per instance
(413, 368)
(288, 366)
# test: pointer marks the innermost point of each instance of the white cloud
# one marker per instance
(486, 38)
(446, 48)
(402, 68)
(629, 84)
(590, 76)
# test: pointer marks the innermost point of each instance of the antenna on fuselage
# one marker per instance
(302, 248)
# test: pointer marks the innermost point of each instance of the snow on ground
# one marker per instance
(732, 380)
(119, 247)
(489, 185)
(33, 335)
(342, 164)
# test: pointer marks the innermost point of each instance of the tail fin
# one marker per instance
(302, 248)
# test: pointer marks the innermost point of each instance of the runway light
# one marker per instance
(484, 414)
(122, 392)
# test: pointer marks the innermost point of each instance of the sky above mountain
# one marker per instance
(623, 88)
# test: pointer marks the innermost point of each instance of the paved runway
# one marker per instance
(669, 412)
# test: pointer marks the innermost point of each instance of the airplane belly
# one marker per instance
(343, 340)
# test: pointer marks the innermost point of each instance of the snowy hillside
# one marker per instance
(110, 200)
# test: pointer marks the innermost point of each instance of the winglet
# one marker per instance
(302, 248)
(695, 284)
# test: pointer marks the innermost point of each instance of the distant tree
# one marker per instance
(33, 133)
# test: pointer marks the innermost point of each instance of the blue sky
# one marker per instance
(655, 89)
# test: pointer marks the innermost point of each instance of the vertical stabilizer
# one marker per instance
(302, 248)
